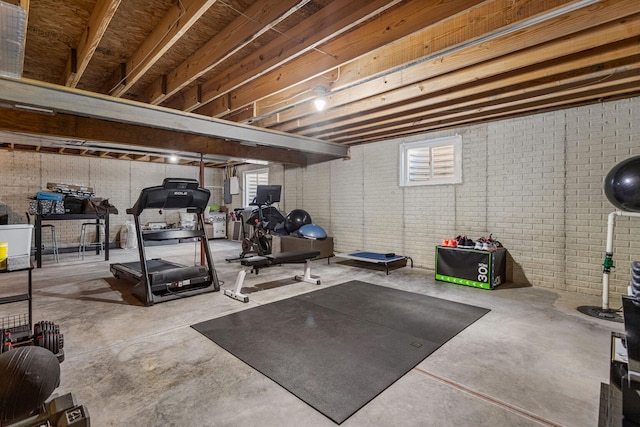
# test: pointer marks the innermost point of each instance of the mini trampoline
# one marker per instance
(387, 260)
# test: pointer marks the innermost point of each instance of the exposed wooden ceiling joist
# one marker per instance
(329, 23)
(258, 19)
(80, 56)
(178, 20)
(589, 47)
(474, 57)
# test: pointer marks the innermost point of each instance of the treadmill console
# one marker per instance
(180, 183)
(174, 193)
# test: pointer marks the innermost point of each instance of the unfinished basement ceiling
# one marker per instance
(385, 68)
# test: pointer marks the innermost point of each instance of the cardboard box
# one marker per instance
(294, 244)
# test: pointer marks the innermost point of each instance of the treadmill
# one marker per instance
(158, 280)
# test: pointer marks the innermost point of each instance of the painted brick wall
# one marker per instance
(535, 183)
(24, 174)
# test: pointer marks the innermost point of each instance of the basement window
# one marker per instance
(251, 180)
(431, 162)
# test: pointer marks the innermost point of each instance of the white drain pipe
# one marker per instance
(608, 260)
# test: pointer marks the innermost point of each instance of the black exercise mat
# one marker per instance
(339, 347)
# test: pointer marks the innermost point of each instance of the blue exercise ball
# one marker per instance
(312, 231)
(296, 219)
(622, 185)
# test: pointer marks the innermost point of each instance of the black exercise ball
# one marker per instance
(29, 375)
(296, 219)
(622, 185)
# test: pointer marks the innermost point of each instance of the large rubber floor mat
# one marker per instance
(339, 347)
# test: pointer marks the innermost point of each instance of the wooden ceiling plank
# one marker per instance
(450, 70)
(263, 16)
(547, 100)
(93, 33)
(174, 24)
(329, 22)
(445, 34)
(74, 127)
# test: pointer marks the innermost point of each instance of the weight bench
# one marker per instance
(255, 263)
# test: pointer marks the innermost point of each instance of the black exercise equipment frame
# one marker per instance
(259, 244)
(175, 193)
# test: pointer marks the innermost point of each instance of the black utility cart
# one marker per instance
(15, 330)
(159, 280)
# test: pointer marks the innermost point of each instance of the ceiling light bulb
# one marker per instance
(173, 158)
(320, 102)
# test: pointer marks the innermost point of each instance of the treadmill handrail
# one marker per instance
(170, 234)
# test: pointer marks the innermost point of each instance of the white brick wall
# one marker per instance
(120, 181)
(535, 183)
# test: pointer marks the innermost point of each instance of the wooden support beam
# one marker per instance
(530, 105)
(406, 18)
(93, 33)
(431, 41)
(592, 46)
(599, 64)
(263, 16)
(545, 88)
(63, 100)
(335, 19)
(72, 127)
(174, 24)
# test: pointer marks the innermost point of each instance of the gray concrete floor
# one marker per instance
(533, 360)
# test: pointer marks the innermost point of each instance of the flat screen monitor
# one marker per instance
(267, 194)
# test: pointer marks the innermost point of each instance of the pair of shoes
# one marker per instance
(493, 244)
(483, 244)
(464, 242)
(450, 243)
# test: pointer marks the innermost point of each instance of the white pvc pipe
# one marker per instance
(609, 252)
